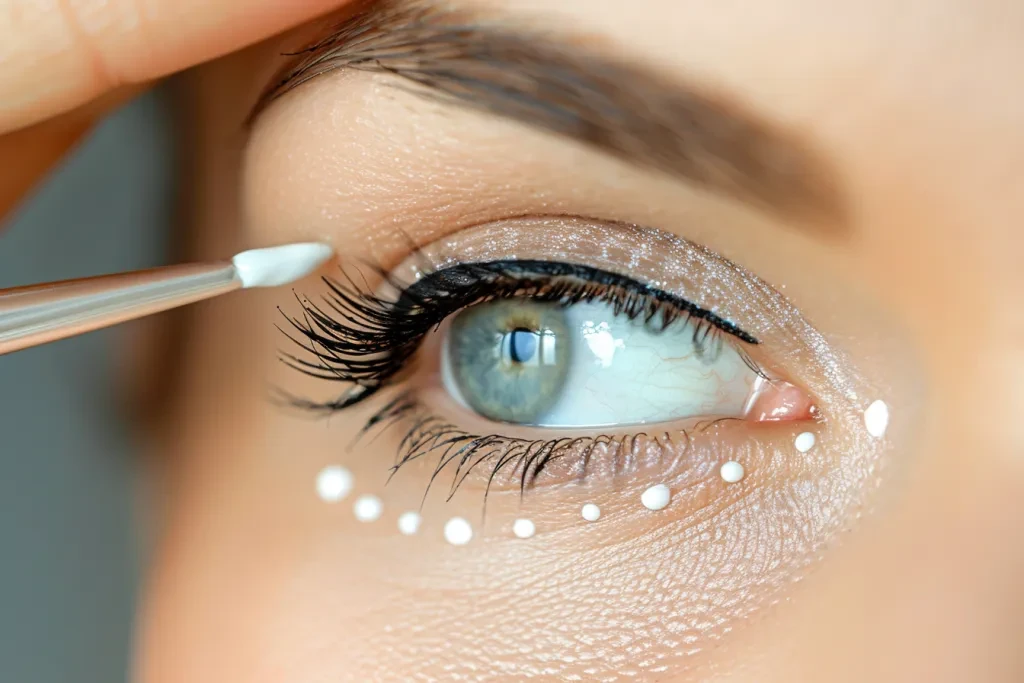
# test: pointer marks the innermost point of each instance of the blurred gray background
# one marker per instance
(68, 560)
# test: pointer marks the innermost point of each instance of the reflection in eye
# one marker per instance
(582, 365)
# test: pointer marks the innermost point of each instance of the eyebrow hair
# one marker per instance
(551, 83)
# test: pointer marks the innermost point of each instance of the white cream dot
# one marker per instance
(458, 531)
(591, 512)
(876, 419)
(409, 522)
(524, 528)
(368, 508)
(656, 497)
(732, 472)
(333, 483)
(805, 441)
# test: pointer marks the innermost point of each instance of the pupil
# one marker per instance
(522, 345)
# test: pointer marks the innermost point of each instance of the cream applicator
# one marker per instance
(42, 313)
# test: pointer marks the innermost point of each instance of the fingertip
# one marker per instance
(56, 61)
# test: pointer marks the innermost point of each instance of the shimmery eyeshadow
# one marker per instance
(409, 522)
(804, 441)
(732, 472)
(591, 512)
(524, 528)
(458, 531)
(333, 483)
(368, 508)
(663, 260)
(657, 497)
(876, 419)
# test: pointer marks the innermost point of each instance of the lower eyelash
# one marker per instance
(426, 434)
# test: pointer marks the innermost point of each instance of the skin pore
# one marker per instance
(890, 559)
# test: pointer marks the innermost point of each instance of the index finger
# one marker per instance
(58, 54)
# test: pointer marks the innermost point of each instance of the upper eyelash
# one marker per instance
(368, 339)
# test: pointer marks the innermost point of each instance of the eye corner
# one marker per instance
(777, 400)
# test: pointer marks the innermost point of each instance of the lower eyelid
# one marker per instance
(433, 436)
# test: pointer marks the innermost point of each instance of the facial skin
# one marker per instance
(887, 560)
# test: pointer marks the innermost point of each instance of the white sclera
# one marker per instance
(657, 497)
(624, 372)
(805, 441)
(591, 512)
(333, 483)
(368, 508)
(458, 531)
(523, 528)
(654, 375)
(732, 472)
(876, 419)
(409, 522)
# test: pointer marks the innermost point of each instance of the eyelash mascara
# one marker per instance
(37, 314)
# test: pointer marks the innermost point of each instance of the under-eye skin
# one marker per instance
(500, 371)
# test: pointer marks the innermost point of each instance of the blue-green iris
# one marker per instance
(509, 358)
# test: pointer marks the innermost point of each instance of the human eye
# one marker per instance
(522, 360)
(576, 347)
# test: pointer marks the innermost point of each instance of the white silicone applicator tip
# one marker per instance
(274, 266)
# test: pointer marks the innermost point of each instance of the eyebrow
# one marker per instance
(554, 83)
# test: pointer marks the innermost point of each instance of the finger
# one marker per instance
(29, 153)
(58, 54)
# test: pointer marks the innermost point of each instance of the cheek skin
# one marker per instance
(277, 572)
